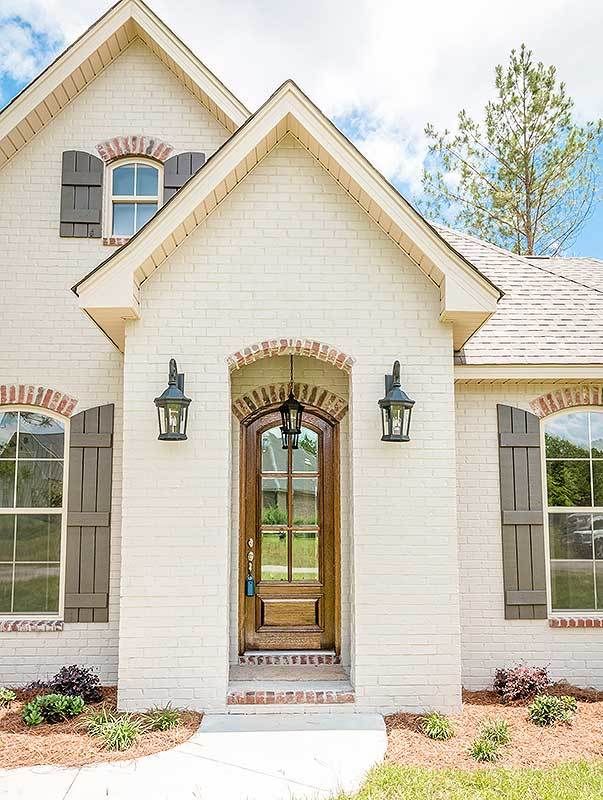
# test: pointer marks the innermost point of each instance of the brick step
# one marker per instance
(280, 693)
(291, 672)
(291, 658)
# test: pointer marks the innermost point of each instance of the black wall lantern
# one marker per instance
(396, 409)
(172, 407)
(291, 416)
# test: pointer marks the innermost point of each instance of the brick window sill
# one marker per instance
(576, 622)
(30, 625)
(116, 241)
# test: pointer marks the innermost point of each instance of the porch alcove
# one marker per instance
(257, 389)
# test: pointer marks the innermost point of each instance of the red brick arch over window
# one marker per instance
(273, 393)
(296, 347)
(568, 397)
(24, 395)
(135, 145)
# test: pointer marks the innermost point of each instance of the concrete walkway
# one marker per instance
(231, 757)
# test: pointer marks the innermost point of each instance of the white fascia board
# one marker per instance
(527, 372)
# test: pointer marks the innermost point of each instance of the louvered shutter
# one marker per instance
(89, 516)
(178, 169)
(522, 514)
(81, 195)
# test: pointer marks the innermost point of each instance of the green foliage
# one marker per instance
(484, 750)
(116, 731)
(437, 726)
(6, 696)
(524, 177)
(162, 718)
(51, 708)
(549, 709)
(496, 732)
(273, 515)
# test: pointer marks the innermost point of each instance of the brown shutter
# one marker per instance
(81, 195)
(178, 169)
(522, 515)
(89, 516)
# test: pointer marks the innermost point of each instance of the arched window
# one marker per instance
(574, 495)
(135, 195)
(32, 503)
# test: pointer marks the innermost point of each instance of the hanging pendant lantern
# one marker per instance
(291, 417)
(396, 408)
(172, 407)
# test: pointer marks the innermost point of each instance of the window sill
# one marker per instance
(576, 622)
(116, 241)
(30, 625)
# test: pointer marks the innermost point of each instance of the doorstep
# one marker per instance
(290, 658)
(273, 694)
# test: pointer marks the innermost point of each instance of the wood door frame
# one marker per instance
(246, 476)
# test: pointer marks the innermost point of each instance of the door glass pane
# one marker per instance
(6, 587)
(40, 484)
(273, 549)
(568, 483)
(274, 458)
(7, 484)
(570, 535)
(274, 501)
(40, 436)
(305, 556)
(572, 584)
(7, 536)
(144, 212)
(305, 458)
(8, 434)
(38, 537)
(36, 588)
(305, 501)
(598, 483)
(598, 535)
(599, 580)
(567, 436)
(146, 181)
(123, 180)
(123, 219)
(596, 434)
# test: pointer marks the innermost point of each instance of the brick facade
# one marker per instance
(20, 394)
(567, 397)
(316, 396)
(134, 145)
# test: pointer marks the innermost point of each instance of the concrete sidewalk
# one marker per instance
(230, 757)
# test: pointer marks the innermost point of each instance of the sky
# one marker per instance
(381, 69)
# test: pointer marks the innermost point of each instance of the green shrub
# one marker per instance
(484, 750)
(117, 731)
(548, 709)
(51, 708)
(162, 718)
(6, 696)
(497, 732)
(437, 726)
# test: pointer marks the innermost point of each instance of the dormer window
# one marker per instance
(135, 196)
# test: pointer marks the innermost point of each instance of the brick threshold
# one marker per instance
(274, 694)
(290, 658)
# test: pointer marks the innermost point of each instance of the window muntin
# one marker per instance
(32, 500)
(135, 196)
(574, 495)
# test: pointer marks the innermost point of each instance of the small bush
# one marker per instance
(51, 708)
(77, 681)
(548, 709)
(497, 732)
(437, 726)
(6, 696)
(520, 683)
(162, 719)
(117, 731)
(484, 750)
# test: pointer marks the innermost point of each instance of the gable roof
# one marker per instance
(45, 97)
(111, 292)
(551, 313)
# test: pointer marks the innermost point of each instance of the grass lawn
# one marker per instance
(576, 781)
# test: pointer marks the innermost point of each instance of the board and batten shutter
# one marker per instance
(81, 195)
(89, 516)
(522, 514)
(178, 169)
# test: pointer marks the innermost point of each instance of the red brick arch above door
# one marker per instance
(316, 396)
(568, 397)
(296, 347)
(29, 395)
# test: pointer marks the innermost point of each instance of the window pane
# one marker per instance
(567, 436)
(568, 483)
(40, 436)
(274, 458)
(144, 212)
(40, 484)
(36, 588)
(8, 434)
(274, 556)
(274, 501)
(598, 534)
(123, 180)
(6, 587)
(599, 579)
(305, 556)
(570, 536)
(38, 537)
(7, 536)
(7, 484)
(596, 434)
(598, 483)
(305, 505)
(146, 181)
(123, 219)
(305, 458)
(572, 584)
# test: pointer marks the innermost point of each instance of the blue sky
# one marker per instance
(380, 87)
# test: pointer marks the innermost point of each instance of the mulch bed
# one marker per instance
(531, 746)
(66, 744)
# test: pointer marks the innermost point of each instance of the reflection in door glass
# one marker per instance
(305, 458)
(305, 507)
(305, 556)
(274, 556)
(274, 458)
(274, 501)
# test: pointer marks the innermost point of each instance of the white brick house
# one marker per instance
(241, 245)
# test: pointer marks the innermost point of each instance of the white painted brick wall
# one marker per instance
(46, 339)
(289, 254)
(488, 640)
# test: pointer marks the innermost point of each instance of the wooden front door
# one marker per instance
(290, 508)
